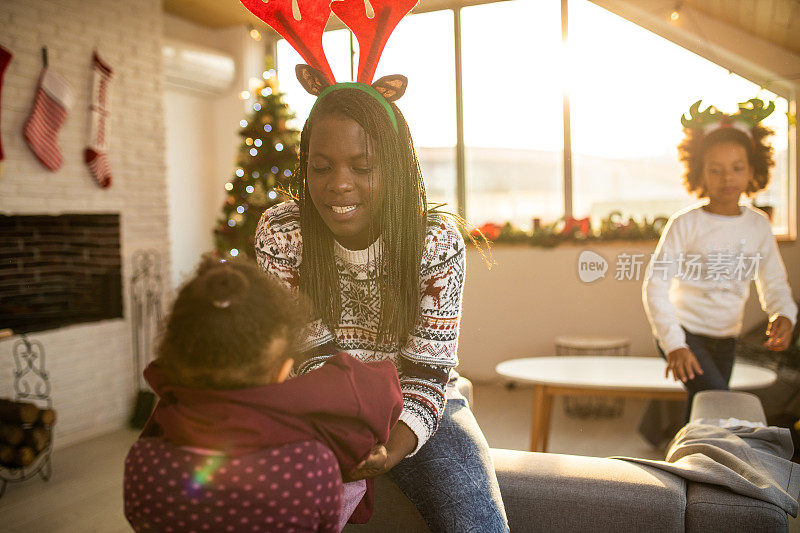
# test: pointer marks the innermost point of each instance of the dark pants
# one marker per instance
(715, 356)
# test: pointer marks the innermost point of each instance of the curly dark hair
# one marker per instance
(403, 223)
(695, 144)
(230, 326)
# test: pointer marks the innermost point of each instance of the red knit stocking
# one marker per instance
(53, 100)
(5, 59)
(96, 154)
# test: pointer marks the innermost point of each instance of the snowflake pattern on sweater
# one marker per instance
(425, 359)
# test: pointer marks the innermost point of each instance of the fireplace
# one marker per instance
(59, 270)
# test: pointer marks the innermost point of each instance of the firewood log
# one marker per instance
(11, 434)
(16, 457)
(18, 412)
(46, 417)
(37, 438)
(8, 455)
(25, 456)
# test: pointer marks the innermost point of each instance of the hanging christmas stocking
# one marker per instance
(96, 156)
(53, 100)
(5, 59)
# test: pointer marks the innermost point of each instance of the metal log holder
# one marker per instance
(146, 289)
(31, 384)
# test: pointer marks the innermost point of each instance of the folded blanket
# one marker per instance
(752, 461)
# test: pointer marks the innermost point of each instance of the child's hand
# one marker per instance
(683, 365)
(779, 333)
(374, 464)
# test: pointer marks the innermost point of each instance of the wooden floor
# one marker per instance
(85, 491)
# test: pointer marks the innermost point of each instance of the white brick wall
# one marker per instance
(90, 365)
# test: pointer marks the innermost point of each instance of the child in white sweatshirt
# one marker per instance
(699, 278)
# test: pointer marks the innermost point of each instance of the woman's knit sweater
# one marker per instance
(426, 357)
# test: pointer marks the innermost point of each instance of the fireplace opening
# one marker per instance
(59, 270)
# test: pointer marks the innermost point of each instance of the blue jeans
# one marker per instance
(715, 356)
(451, 479)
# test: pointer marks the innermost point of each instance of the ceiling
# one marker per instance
(222, 13)
(776, 21)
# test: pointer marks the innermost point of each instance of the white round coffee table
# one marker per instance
(621, 377)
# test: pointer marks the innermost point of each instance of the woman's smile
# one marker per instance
(344, 209)
(344, 181)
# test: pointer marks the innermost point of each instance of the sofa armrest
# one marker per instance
(723, 404)
(464, 386)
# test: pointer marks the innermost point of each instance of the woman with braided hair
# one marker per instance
(385, 277)
(699, 278)
(384, 274)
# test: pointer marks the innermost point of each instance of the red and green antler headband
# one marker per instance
(302, 22)
(749, 115)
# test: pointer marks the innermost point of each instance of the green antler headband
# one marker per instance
(749, 115)
(302, 22)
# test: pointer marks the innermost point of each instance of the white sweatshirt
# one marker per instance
(699, 276)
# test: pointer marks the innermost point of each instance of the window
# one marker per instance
(512, 112)
(626, 95)
(625, 113)
(428, 102)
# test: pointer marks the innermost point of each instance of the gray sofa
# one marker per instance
(555, 492)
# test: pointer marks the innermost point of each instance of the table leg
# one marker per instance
(540, 418)
(547, 409)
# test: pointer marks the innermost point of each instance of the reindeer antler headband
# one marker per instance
(749, 115)
(302, 22)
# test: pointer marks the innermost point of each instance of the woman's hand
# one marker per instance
(374, 464)
(383, 458)
(779, 334)
(683, 365)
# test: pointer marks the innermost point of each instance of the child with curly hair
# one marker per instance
(233, 445)
(699, 278)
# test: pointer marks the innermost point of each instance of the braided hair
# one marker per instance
(231, 325)
(402, 221)
(695, 144)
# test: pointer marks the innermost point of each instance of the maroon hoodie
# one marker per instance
(347, 405)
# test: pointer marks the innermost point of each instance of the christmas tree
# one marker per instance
(267, 157)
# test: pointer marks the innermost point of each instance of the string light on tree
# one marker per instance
(675, 14)
(268, 150)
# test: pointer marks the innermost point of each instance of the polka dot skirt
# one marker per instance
(293, 488)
